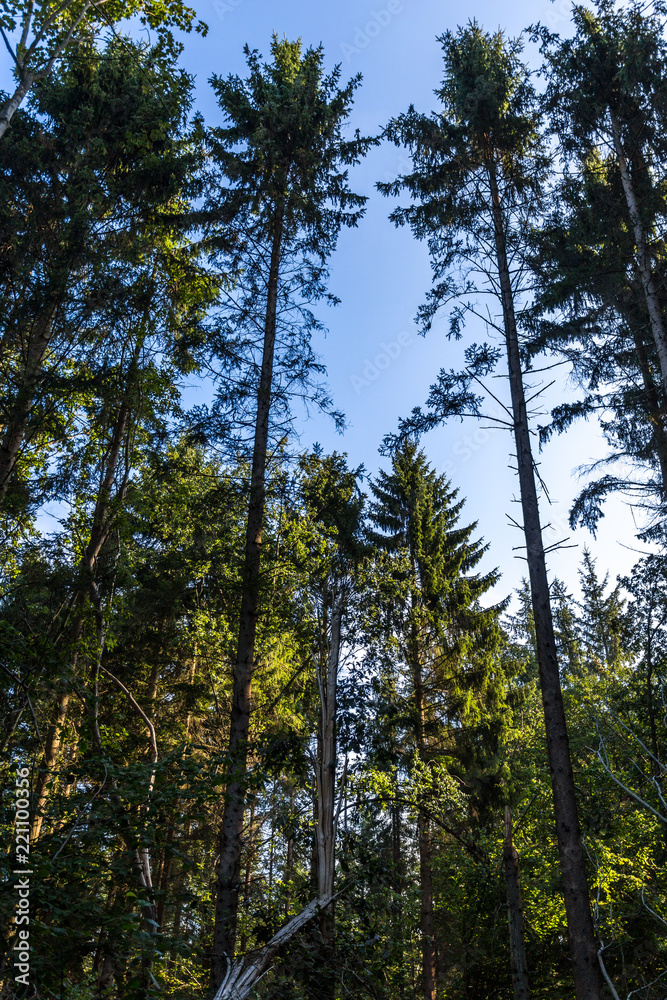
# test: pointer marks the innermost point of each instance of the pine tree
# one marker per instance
(601, 623)
(446, 640)
(284, 197)
(479, 169)
(567, 630)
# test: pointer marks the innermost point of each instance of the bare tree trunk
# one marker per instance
(583, 949)
(326, 778)
(289, 856)
(231, 830)
(12, 103)
(45, 775)
(248, 868)
(643, 256)
(515, 914)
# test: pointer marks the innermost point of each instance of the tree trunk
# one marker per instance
(650, 706)
(397, 918)
(289, 856)
(231, 830)
(326, 779)
(192, 673)
(515, 914)
(426, 892)
(13, 102)
(248, 868)
(583, 950)
(165, 874)
(48, 765)
(643, 256)
(427, 926)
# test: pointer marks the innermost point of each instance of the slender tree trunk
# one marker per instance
(12, 103)
(427, 922)
(643, 256)
(17, 423)
(427, 925)
(11, 729)
(515, 914)
(289, 857)
(583, 950)
(250, 853)
(326, 778)
(165, 874)
(45, 775)
(192, 673)
(104, 965)
(398, 933)
(650, 707)
(231, 830)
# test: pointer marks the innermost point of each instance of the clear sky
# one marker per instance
(379, 367)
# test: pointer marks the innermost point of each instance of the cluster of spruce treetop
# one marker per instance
(282, 742)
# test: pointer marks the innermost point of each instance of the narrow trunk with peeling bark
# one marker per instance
(231, 830)
(583, 949)
(518, 958)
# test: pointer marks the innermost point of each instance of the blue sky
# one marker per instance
(379, 367)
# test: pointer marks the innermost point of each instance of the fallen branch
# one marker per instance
(244, 972)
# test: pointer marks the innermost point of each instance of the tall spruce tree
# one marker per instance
(281, 165)
(479, 168)
(446, 641)
(601, 621)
